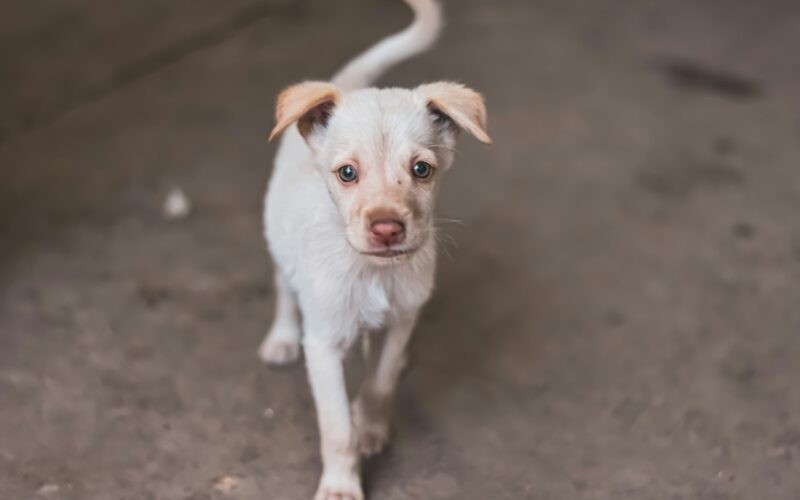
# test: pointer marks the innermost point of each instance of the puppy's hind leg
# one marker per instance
(282, 344)
(372, 407)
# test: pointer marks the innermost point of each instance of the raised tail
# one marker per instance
(418, 37)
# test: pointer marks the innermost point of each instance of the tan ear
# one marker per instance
(461, 104)
(306, 103)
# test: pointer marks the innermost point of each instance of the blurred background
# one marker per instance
(616, 317)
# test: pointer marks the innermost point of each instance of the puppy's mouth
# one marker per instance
(389, 252)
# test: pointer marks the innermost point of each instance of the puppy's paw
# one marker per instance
(371, 420)
(279, 352)
(373, 439)
(339, 487)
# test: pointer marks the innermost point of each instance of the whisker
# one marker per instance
(443, 247)
(442, 239)
(449, 239)
(451, 221)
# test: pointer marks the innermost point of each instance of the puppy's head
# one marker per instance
(382, 154)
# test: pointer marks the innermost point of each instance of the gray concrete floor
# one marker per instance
(618, 318)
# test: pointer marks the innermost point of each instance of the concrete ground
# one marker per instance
(618, 316)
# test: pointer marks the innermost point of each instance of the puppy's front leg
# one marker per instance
(372, 407)
(282, 344)
(340, 480)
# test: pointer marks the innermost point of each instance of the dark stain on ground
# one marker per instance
(153, 295)
(614, 318)
(743, 230)
(249, 453)
(725, 146)
(739, 367)
(628, 411)
(690, 75)
(789, 438)
(680, 181)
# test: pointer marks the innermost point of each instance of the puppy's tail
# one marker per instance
(418, 37)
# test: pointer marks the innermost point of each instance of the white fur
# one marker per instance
(317, 228)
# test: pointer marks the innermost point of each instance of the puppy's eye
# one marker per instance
(348, 173)
(422, 170)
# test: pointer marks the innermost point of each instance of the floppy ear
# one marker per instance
(460, 104)
(308, 103)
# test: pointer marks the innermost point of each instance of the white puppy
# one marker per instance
(349, 222)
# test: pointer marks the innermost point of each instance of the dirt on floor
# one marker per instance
(615, 317)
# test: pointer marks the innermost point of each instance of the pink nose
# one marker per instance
(388, 232)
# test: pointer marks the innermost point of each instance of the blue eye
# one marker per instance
(422, 170)
(348, 173)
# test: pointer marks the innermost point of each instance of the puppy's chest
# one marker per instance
(372, 299)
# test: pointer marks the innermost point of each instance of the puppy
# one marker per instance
(349, 224)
